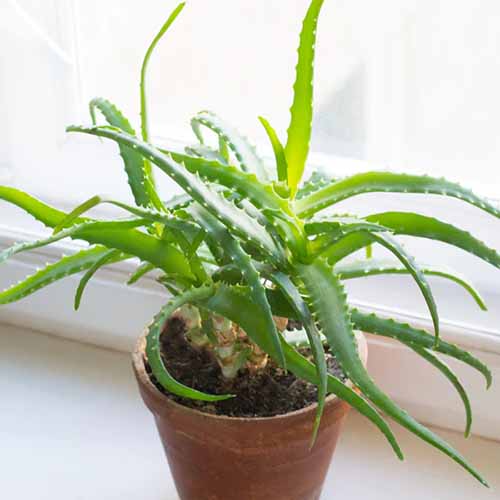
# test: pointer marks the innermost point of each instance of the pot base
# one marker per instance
(214, 457)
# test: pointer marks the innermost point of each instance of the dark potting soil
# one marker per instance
(270, 392)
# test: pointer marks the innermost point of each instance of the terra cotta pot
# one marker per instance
(214, 457)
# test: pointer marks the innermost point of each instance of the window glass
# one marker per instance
(403, 84)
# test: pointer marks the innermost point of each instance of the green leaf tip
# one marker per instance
(279, 151)
(144, 113)
(104, 259)
(142, 270)
(76, 212)
(301, 111)
(143, 191)
(414, 269)
(433, 359)
(148, 173)
(374, 267)
(403, 332)
(295, 300)
(51, 273)
(243, 150)
(153, 347)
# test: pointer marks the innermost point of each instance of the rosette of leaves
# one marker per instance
(245, 246)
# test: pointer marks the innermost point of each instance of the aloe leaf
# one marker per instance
(232, 217)
(42, 212)
(328, 301)
(279, 303)
(271, 224)
(371, 323)
(279, 151)
(346, 246)
(168, 220)
(268, 338)
(189, 247)
(412, 224)
(105, 259)
(153, 347)
(369, 251)
(298, 338)
(178, 201)
(316, 181)
(160, 253)
(53, 272)
(451, 376)
(77, 212)
(229, 274)
(144, 108)
(335, 229)
(304, 369)
(363, 268)
(388, 182)
(70, 232)
(301, 111)
(224, 149)
(244, 152)
(288, 231)
(141, 271)
(234, 304)
(147, 248)
(129, 241)
(428, 227)
(244, 183)
(403, 332)
(413, 268)
(316, 346)
(133, 162)
(146, 215)
(328, 224)
(196, 243)
(205, 152)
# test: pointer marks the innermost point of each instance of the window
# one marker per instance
(402, 84)
(409, 84)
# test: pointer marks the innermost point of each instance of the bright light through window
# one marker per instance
(402, 84)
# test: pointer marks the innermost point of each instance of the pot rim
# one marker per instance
(138, 361)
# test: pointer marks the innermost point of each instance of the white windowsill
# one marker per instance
(72, 426)
(112, 315)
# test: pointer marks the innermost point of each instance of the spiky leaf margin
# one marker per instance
(244, 152)
(328, 301)
(388, 182)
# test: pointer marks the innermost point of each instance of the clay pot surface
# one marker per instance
(214, 457)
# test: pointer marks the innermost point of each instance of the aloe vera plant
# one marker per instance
(243, 250)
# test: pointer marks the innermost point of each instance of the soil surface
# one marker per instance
(266, 394)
